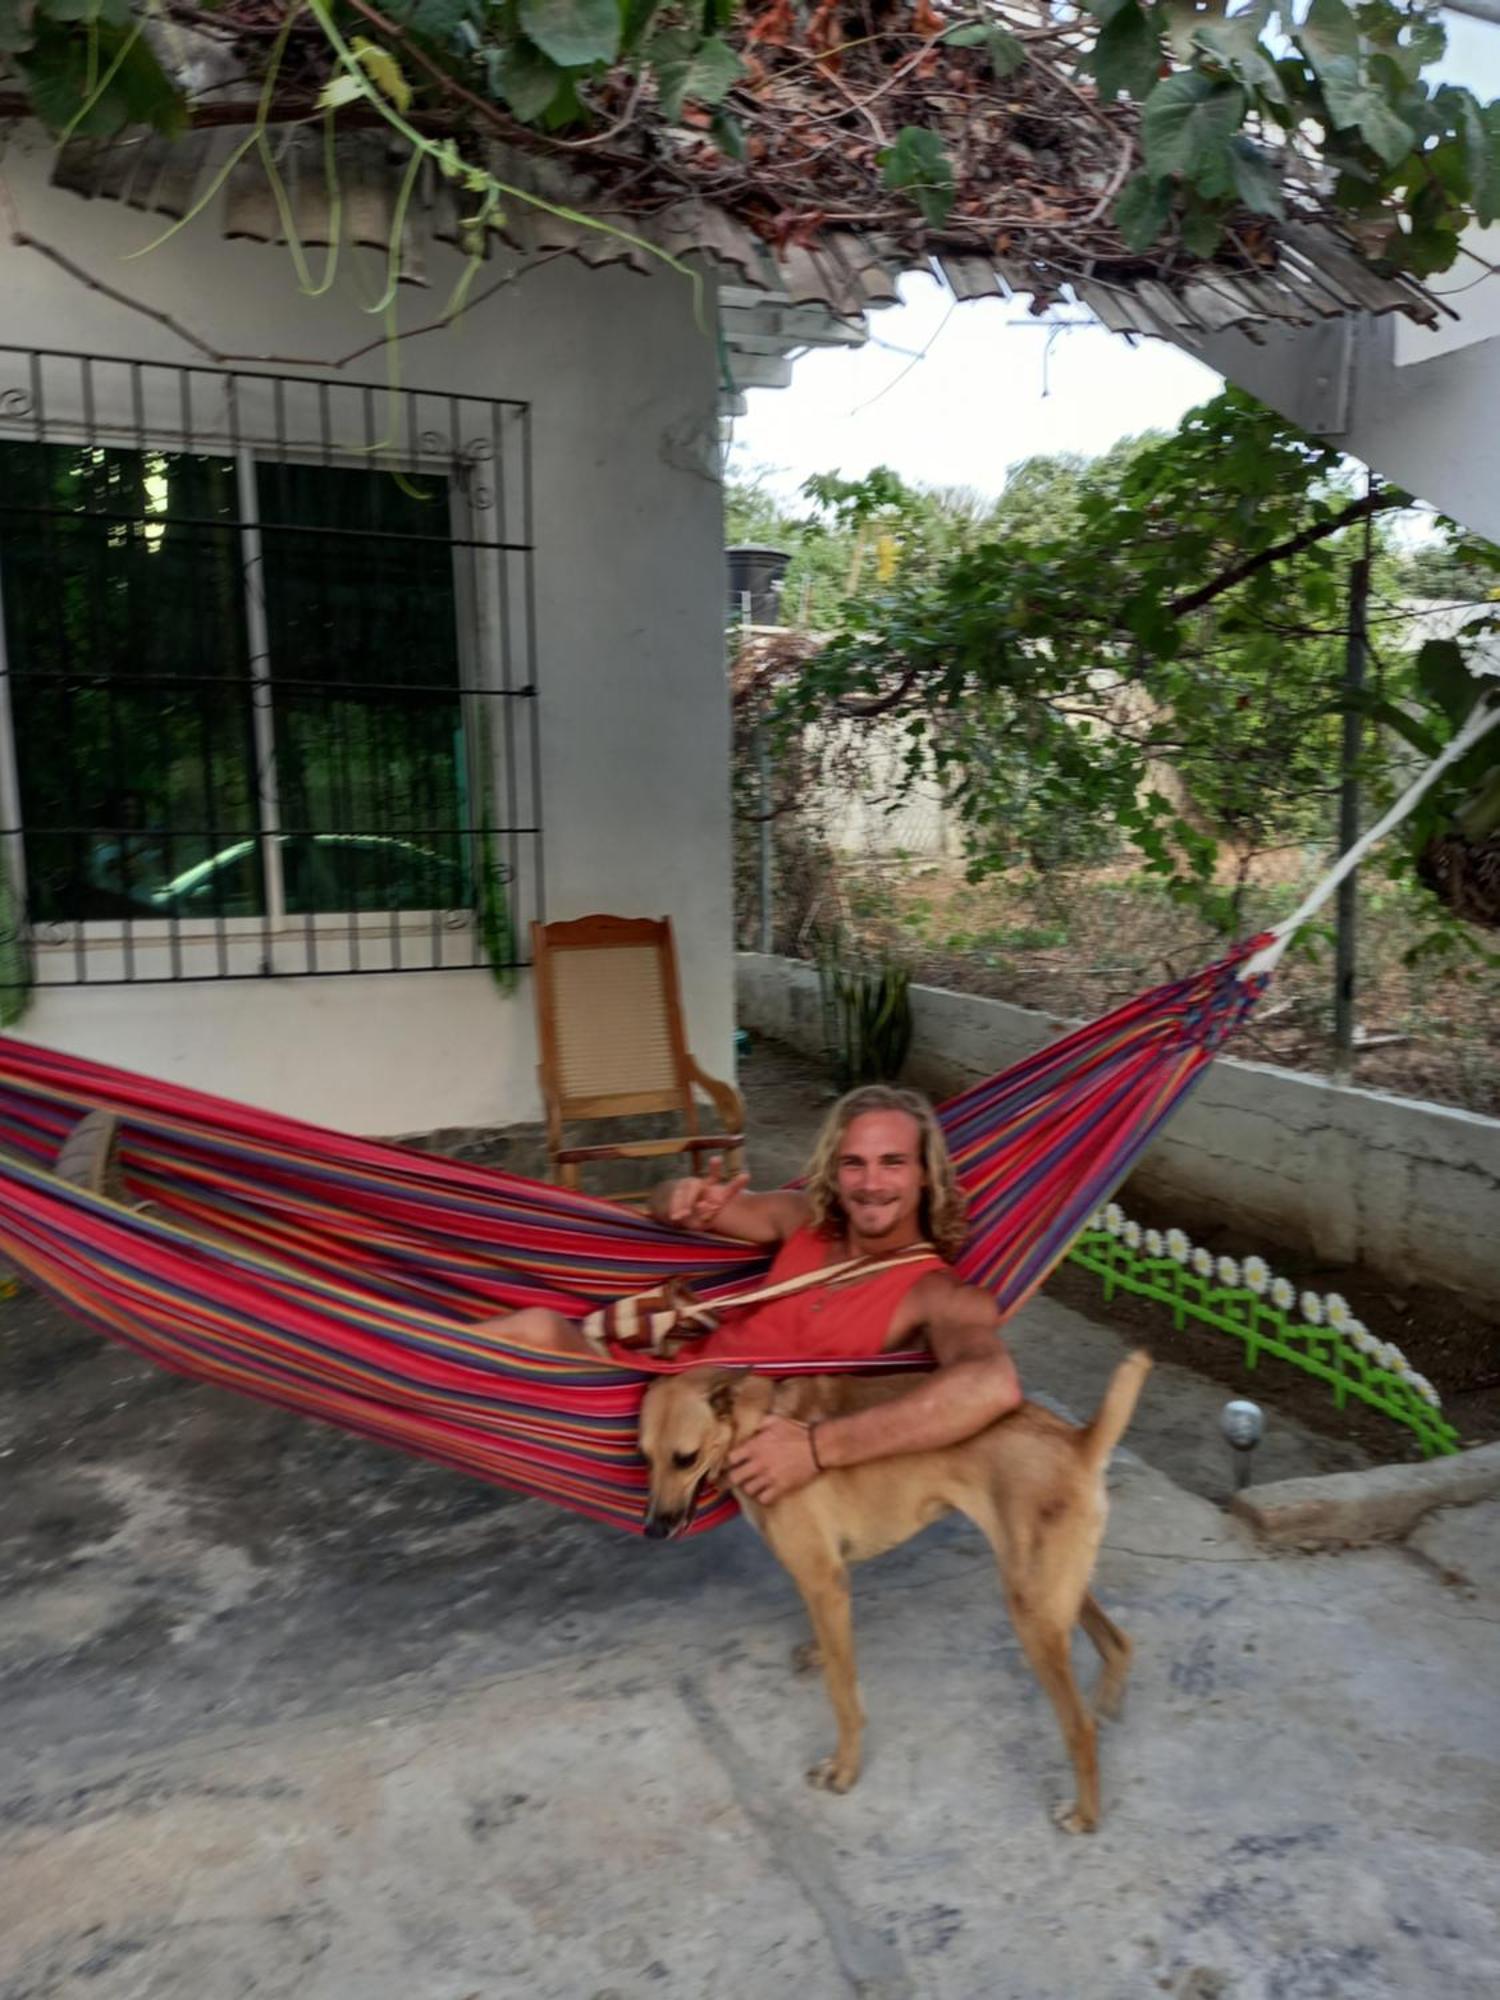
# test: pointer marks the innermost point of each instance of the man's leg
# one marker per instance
(538, 1326)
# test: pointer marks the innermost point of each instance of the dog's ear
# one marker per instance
(723, 1390)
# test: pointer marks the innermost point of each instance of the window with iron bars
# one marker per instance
(268, 702)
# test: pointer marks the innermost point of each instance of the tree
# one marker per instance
(1452, 567)
(855, 534)
(1163, 658)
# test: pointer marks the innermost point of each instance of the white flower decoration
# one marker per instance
(1283, 1294)
(1229, 1272)
(1096, 1220)
(1256, 1273)
(1132, 1235)
(1203, 1262)
(1339, 1314)
(1178, 1247)
(1428, 1394)
(1114, 1218)
(1360, 1337)
(1155, 1244)
(1386, 1357)
(1311, 1308)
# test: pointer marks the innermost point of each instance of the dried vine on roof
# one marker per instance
(1122, 138)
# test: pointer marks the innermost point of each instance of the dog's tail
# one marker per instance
(1114, 1413)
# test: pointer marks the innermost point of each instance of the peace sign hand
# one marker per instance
(697, 1203)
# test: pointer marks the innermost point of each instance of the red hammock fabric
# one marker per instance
(341, 1277)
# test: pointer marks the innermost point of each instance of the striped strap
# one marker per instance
(651, 1319)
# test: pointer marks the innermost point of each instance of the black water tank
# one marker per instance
(756, 572)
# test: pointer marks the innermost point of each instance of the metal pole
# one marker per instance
(763, 771)
(1348, 895)
(764, 853)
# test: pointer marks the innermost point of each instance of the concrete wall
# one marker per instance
(1412, 1190)
(629, 648)
(877, 816)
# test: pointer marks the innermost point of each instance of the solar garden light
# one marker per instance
(1244, 1426)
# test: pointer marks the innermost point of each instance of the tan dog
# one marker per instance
(1033, 1483)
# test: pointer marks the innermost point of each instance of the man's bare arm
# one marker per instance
(712, 1206)
(975, 1383)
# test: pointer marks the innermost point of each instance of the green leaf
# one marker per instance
(340, 90)
(115, 12)
(1236, 44)
(691, 71)
(1331, 41)
(1448, 167)
(1143, 210)
(1487, 205)
(1255, 179)
(1127, 54)
(728, 135)
(433, 20)
(919, 166)
(639, 14)
(573, 32)
(1426, 43)
(60, 78)
(1202, 232)
(17, 26)
(524, 78)
(1187, 124)
(1407, 726)
(1478, 126)
(383, 71)
(1378, 125)
(1444, 678)
(1423, 251)
(1329, 38)
(1148, 618)
(567, 107)
(1006, 52)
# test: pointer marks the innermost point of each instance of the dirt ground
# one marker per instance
(1079, 942)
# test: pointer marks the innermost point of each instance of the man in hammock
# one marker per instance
(880, 1182)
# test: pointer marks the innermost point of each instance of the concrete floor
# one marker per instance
(282, 1713)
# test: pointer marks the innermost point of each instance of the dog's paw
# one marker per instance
(1073, 1819)
(831, 1774)
(807, 1658)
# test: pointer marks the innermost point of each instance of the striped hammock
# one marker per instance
(342, 1278)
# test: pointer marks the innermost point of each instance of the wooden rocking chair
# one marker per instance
(610, 1034)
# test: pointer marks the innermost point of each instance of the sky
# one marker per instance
(993, 386)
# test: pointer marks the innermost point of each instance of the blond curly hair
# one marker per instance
(942, 1214)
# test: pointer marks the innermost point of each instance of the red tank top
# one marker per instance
(824, 1323)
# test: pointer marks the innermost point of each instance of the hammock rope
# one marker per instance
(1484, 717)
(342, 1277)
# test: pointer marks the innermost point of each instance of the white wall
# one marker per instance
(629, 648)
(1419, 408)
(1411, 1190)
